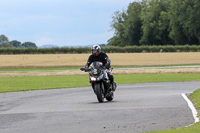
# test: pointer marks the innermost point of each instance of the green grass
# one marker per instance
(9, 84)
(74, 68)
(155, 66)
(195, 97)
(146, 78)
(37, 69)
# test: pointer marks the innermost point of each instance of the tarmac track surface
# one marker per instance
(136, 108)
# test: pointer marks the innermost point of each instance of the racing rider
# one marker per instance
(97, 55)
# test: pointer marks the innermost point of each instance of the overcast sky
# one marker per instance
(59, 22)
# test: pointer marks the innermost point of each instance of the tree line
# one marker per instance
(157, 22)
(107, 49)
(5, 43)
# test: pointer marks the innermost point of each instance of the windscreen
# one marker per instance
(96, 65)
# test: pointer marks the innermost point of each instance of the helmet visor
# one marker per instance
(94, 51)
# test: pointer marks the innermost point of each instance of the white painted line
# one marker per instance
(190, 104)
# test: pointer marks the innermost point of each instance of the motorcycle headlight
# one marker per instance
(93, 79)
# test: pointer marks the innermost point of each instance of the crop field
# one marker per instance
(118, 59)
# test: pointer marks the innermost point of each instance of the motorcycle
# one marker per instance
(100, 81)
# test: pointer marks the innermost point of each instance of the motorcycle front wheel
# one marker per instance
(99, 92)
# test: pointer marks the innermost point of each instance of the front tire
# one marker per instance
(99, 92)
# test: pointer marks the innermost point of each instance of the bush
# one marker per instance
(107, 49)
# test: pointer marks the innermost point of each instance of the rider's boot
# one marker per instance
(114, 86)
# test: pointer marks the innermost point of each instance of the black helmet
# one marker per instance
(96, 49)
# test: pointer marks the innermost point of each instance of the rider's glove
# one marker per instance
(86, 69)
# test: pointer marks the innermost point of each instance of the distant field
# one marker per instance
(118, 59)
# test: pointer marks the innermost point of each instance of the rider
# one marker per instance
(97, 55)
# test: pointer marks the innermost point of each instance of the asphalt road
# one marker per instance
(136, 108)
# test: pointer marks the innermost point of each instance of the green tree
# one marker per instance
(185, 21)
(127, 26)
(176, 29)
(133, 23)
(118, 26)
(190, 20)
(15, 43)
(29, 45)
(3, 39)
(195, 19)
(155, 22)
(6, 44)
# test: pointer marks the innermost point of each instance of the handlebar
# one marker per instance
(83, 69)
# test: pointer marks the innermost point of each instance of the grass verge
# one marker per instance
(28, 69)
(195, 97)
(37, 69)
(11, 84)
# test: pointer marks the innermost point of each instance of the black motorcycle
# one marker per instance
(100, 81)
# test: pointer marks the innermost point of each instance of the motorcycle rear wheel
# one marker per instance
(111, 97)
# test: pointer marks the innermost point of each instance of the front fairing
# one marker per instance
(96, 68)
(96, 73)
